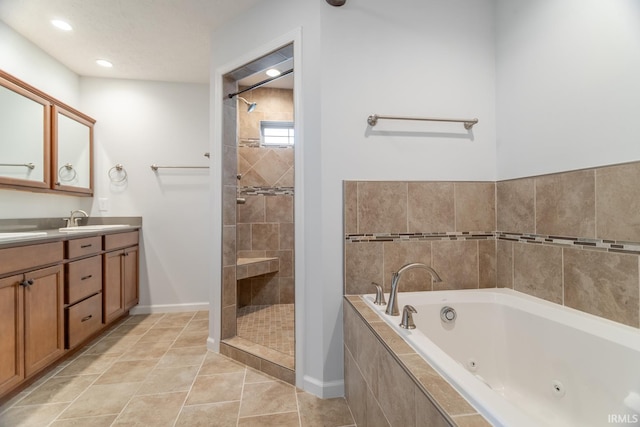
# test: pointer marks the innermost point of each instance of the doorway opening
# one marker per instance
(258, 287)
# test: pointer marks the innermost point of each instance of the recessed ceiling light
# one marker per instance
(272, 72)
(104, 63)
(61, 25)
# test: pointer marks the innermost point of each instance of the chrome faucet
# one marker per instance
(72, 221)
(392, 306)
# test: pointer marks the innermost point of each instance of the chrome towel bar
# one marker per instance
(156, 167)
(27, 165)
(373, 120)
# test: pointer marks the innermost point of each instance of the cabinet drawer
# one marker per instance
(84, 278)
(121, 240)
(83, 319)
(30, 257)
(81, 247)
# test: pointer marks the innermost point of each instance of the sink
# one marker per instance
(92, 227)
(21, 235)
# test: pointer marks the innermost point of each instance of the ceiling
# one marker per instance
(165, 40)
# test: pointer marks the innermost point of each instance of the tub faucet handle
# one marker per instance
(379, 295)
(407, 317)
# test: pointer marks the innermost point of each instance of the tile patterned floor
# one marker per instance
(155, 370)
(268, 325)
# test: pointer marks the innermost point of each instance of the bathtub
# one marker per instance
(521, 361)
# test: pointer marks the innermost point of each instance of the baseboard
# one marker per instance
(169, 308)
(324, 390)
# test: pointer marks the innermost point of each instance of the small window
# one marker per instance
(276, 133)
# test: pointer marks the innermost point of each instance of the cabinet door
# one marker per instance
(43, 318)
(130, 282)
(11, 333)
(113, 300)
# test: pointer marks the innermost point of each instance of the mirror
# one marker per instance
(72, 151)
(24, 136)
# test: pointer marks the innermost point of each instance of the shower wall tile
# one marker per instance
(618, 202)
(504, 264)
(457, 264)
(397, 254)
(229, 205)
(287, 235)
(279, 208)
(350, 206)
(382, 207)
(286, 290)
(431, 207)
(271, 167)
(475, 204)
(565, 204)
(230, 170)
(243, 236)
(537, 271)
(604, 284)
(265, 236)
(286, 262)
(363, 265)
(244, 292)
(265, 290)
(487, 260)
(228, 329)
(229, 245)
(228, 292)
(516, 205)
(253, 210)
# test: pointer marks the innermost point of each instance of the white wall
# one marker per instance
(140, 123)
(568, 86)
(422, 59)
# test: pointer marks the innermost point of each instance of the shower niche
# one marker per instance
(258, 286)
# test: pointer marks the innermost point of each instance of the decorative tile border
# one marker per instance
(405, 237)
(265, 191)
(563, 241)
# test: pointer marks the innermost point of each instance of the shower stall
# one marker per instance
(258, 197)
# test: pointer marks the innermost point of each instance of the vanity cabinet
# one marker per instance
(120, 284)
(31, 311)
(46, 145)
(83, 290)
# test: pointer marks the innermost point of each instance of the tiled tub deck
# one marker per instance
(388, 384)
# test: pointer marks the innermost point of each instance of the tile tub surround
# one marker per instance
(123, 378)
(389, 384)
(572, 238)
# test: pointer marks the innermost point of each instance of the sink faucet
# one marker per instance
(72, 221)
(392, 306)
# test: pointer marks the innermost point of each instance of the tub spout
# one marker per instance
(392, 305)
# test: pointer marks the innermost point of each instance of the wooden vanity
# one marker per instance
(59, 292)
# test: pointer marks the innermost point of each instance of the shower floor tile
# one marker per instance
(271, 326)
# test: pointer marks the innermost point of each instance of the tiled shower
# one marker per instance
(260, 323)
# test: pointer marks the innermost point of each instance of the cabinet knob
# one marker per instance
(26, 283)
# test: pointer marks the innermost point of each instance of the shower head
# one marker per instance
(252, 105)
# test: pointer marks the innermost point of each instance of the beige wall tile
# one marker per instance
(229, 205)
(228, 286)
(487, 260)
(471, 421)
(475, 204)
(253, 210)
(431, 207)
(244, 292)
(350, 205)
(286, 266)
(287, 235)
(375, 417)
(537, 271)
(271, 167)
(287, 291)
(398, 254)
(355, 389)
(516, 205)
(426, 413)
(228, 329)
(229, 165)
(363, 265)
(265, 290)
(565, 204)
(401, 410)
(603, 283)
(457, 264)
(279, 208)
(243, 236)
(382, 207)
(229, 245)
(618, 202)
(265, 237)
(504, 264)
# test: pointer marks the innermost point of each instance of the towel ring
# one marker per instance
(118, 169)
(68, 167)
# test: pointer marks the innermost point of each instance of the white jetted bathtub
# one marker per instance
(522, 361)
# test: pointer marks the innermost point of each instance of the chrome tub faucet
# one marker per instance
(392, 306)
